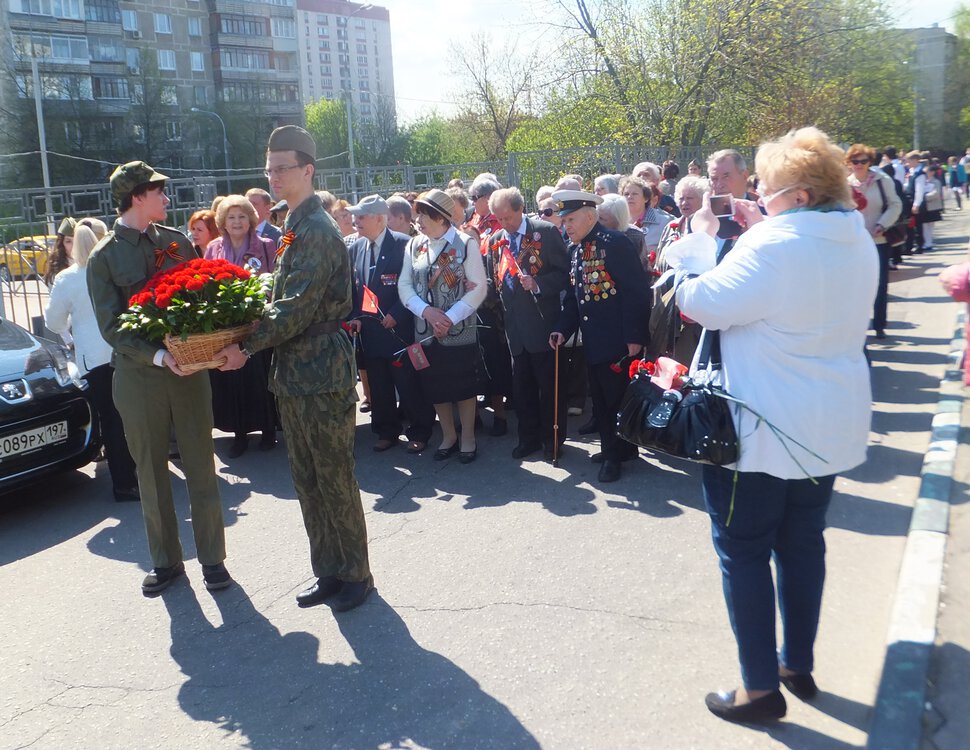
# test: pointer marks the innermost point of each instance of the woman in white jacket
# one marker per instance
(791, 301)
(69, 310)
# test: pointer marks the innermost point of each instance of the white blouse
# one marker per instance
(69, 309)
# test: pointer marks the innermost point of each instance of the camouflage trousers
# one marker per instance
(320, 442)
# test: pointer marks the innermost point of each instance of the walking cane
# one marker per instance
(555, 414)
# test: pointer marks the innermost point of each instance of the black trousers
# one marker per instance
(384, 378)
(120, 463)
(607, 389)
(533, 388)
(573, 376)
(882, 291)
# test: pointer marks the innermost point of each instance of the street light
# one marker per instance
(225, 143)
(350, 98)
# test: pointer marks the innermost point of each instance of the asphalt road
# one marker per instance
(518, 605)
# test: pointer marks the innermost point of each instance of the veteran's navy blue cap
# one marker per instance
(572, 200)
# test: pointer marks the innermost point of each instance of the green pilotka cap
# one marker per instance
(129, 176)
(67, 227)
(292, 138)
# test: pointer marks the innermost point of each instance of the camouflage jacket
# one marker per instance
(311, 284)
(118, 268)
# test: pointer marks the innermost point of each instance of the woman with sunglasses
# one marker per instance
(880, 207)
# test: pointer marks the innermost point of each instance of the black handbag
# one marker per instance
(693, 422)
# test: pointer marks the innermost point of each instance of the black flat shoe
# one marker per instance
(802, 686)
(352, 594)
(442, 454)
(609, 472)
(466, 457)
(526, 449)
(216, 577)
(323, 589)
(127, 495)
(766, 708)
(238, 447)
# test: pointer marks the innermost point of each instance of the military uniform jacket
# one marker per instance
(375, 340)
(311, 284)
(610, 296)
(529, 318)
(118, 268)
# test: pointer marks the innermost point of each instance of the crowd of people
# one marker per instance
(457, 302)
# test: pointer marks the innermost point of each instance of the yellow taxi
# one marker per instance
(26, 257)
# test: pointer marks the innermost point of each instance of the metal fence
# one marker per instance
(24, 213)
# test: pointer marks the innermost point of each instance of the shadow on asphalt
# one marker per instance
(797, 737)
(244, 676)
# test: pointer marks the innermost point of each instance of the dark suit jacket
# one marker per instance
(609, 321)
(375, 340)
(530, 318)
(271, 233)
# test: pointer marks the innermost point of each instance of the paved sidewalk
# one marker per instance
(518, 605)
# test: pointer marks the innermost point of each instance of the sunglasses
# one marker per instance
(547, 212)
(859, 161)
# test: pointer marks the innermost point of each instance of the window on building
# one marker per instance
(341, 33)
(362, 49)
(243, 59)
(163, 23)
(284, 28)
(168, 95)
(138, 133)
(287, 3)
(243, 25)
(195, 25)
(67, 87)
(325, 70)
(360, 23)
(173, 130)
(363, 85)
(198, 61)
(133, 59)
(58, 8)
(200, 95)
(137, 93)
(166, 59)
(110, 87)
(105, 49)
(54, 47)
(286, 62)
(129, 20)
(323, 31)
(364, 96)
(103, 11)
(362, 72)
(327, 83)
(324, 45)
(362, 59)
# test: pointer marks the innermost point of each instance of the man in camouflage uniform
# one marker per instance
(313, 374)
(151, 391)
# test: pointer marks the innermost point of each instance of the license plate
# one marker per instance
(30, 440)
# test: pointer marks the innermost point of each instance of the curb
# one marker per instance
(897, 721)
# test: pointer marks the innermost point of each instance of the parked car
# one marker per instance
(26, 257)
(47, 422)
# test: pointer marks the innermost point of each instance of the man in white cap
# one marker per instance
(610, 302)
(385, 326)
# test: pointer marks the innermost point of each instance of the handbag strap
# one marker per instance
(882, 192)
(710, 356)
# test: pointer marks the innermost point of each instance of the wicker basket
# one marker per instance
(198, 350)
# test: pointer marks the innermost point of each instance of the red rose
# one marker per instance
(194, 285)
(224, 276)
(163, 300)
(615, 367)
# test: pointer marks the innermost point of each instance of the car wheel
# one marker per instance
(5, 273)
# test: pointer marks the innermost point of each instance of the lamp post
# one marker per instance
(225, 143)
(350, 98)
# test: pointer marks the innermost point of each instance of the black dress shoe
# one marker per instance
(466, 457)
(442, 454)
(609, 471)
(588, 428)
(127, 495)
(500, 426)
(597, 458)
(766, 708)
(352, 594)
(239, 446)
(323, 589)
(526, 449)
(802, 686)
(216, 577)
(267, 442)
(384, 444)
(549, 454)
(161, 578)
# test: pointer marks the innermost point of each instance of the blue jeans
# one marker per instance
(771, 516)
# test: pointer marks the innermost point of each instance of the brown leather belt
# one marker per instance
(317, 329)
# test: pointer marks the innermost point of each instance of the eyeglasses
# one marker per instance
(547, 212)
(474, 198)
(859, 161)
(279, 171)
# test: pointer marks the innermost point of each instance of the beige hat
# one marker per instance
(293, 138)
(438, 200)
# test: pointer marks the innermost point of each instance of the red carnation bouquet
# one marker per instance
(198, 299)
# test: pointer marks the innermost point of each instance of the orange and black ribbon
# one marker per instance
(172, 251)
(285, 241)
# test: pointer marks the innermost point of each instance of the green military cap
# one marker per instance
(292, 138)
(129, 176)
(67, 227)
